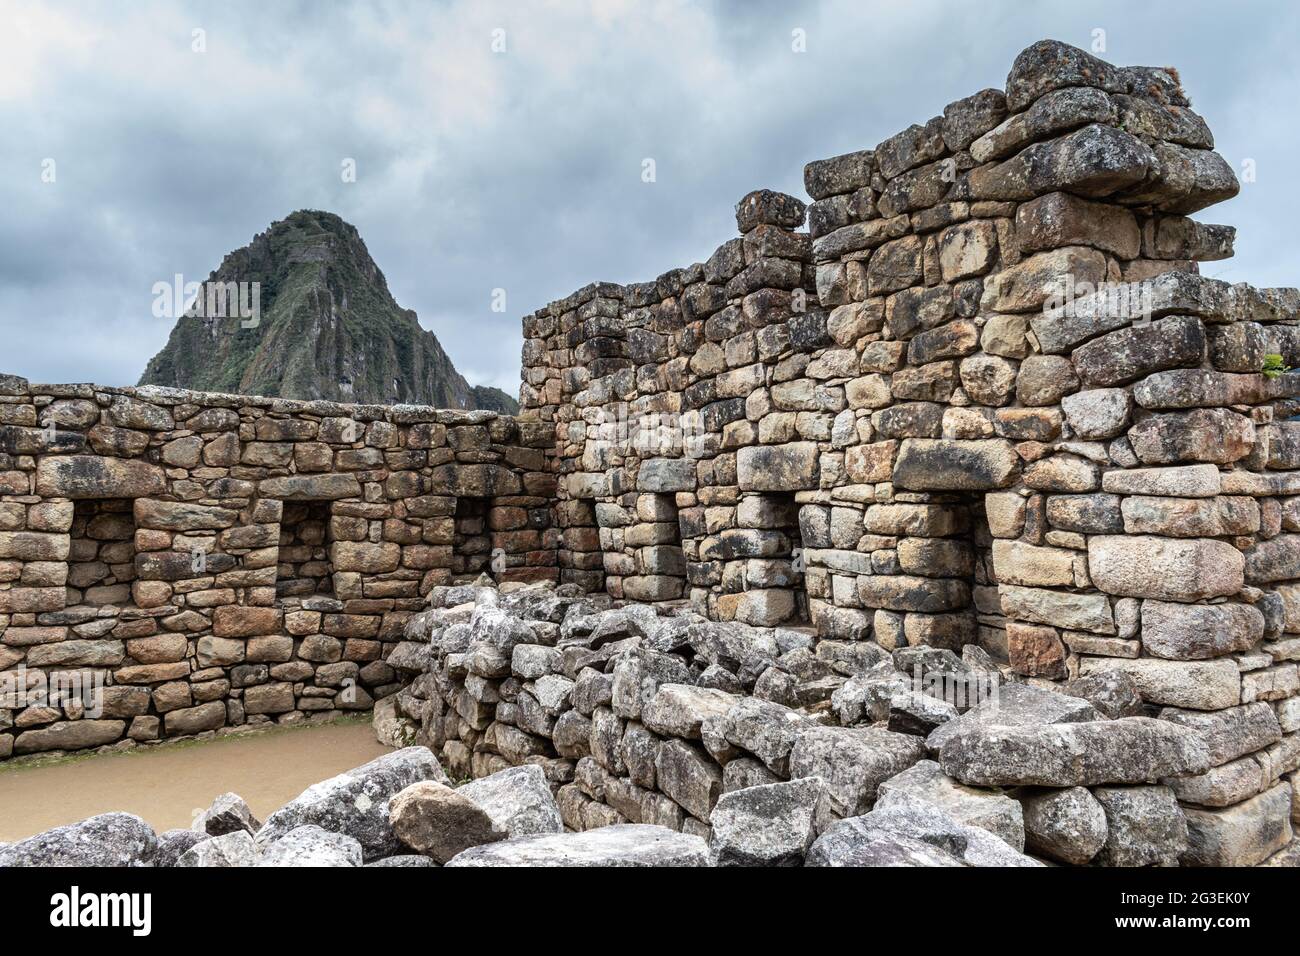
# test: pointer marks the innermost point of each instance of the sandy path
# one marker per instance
(166, 785)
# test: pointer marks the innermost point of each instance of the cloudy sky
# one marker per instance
(521, 169)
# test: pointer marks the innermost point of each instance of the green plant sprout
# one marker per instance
(1274, 366)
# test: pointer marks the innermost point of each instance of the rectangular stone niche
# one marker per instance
(472, 544)
(767, 561)
(305, 569)
(582, 556)
(655, 544)
(101, 553)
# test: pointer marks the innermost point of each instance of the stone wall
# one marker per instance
(989, 379)
(173, 562)
(984, 405)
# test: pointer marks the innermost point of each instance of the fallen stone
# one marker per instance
(1128, 750)
(766, 730)
(1065, 825)
(311, 845)
(356, 802)
(677, 710)
(227, 814)
(233, 848)
(854, 843)
(993, 811)
(404, 860)
(770, 825)
(172, 844)
(517, 800)
(628, 844)
(1112, 693)
(1014, 705)
(433, 819)
(109, 839)
(852, 762)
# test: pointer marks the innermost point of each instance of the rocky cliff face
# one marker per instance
(327, 328)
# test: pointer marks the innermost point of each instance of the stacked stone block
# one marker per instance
(1008, 409)
(172, 563)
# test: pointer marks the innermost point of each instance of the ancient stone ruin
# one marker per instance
(983, 420)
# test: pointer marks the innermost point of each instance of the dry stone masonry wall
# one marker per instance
(971, 414)
(174, 562)
(986, 399)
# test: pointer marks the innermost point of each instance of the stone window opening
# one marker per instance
(305, 569)
(101, 554)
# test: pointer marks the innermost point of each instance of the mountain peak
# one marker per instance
(326, 327)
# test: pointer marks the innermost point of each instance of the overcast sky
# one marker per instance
(521, 169)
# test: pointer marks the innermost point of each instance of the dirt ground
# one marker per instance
(167, 785)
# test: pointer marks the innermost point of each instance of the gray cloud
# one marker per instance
(519, 170)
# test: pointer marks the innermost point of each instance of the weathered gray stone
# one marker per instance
(518, 801)
(228, 813)
(630, 844)
(908, 816)
(1014, 705)
(110, 839)
(677, 710)
(1145, 566)
(356, 802)
(311, 845)
(1050, 65)
(1080, 612)
(1066, 825)
(234, 848)
(1232, 732)
(172, 844)
(990, 809)
(852, 761)
(1198, 685)
(688, 776)
(1183, 481)
(1128, 354)
(1112, 693)
(1144, 826)
(766, 730)
(856, 843)
(783, 468)
(667, 474)
(926, 464)
(771, 825)
(1243, 835)
(95, 476)
(1098, 413)
(1199, 631)
(1128, 750)
(1202, 434)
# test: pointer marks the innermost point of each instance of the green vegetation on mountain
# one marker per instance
(328, 329)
